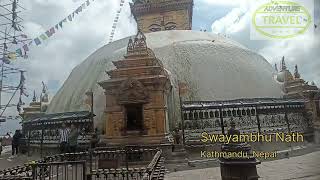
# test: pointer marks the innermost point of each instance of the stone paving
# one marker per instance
(305, 167)
(8, 161)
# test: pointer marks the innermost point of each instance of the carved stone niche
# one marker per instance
(132, 91)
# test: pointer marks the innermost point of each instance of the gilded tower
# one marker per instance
(162, 15)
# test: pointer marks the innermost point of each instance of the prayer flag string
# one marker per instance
(22, 51)
(115, 21)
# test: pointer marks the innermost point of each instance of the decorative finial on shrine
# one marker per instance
(283, 64)
(140, 35)
(44, 95)
(138, 45)
(44, 88)
(296, 72)
(34, 98)
(130, 46)
(276, 67)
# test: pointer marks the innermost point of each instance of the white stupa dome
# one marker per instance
(214, 67)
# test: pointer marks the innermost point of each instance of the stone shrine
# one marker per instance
(136, 107)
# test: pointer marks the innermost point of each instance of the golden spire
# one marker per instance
(283, 64)
(34, 98)
(296, 72)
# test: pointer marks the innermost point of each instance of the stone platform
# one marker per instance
(134, 140)
(305, 167)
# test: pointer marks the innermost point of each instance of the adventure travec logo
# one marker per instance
(281, 20)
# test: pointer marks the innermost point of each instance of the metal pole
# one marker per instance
(258, 120)
(4, 53)
(84, 171)
(1, 84)
(90, 166)
(90, 95)
(182, 118)
(40, 102)
(221, 120)
(41, 143)
(287, 121)
(127, 164)
(286, 118)
(29, 143)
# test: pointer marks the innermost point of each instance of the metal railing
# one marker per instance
(257, 115)
(106, 163)
(154, 170)
(71, 170)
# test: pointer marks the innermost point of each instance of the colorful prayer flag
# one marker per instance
(25, 47)
(47, 34)
(19, 52)
(37, 41)
(61, 22)
(50, 32)
(79, 9)
(70, 17)
(43, 37)
(5, 60)
(12, 56)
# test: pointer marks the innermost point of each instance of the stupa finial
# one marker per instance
(283, 64)
(34, 98)
(44, 87)
(44, 95)
(296, 72)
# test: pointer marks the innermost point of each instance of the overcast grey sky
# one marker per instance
(53, 60)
